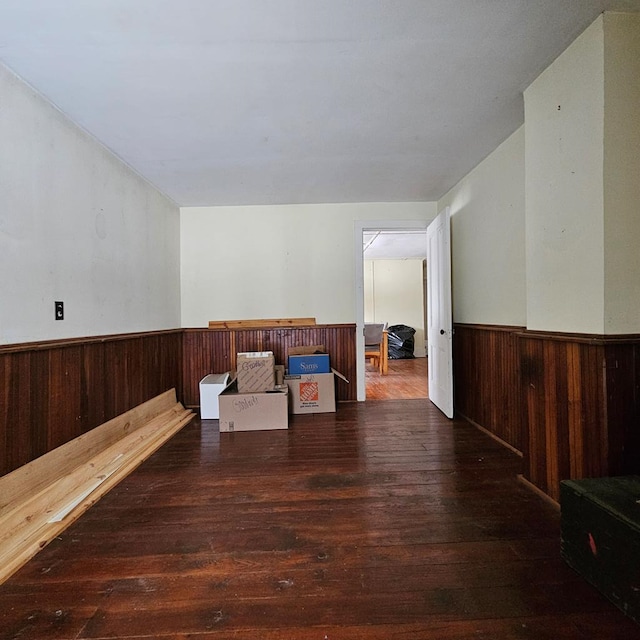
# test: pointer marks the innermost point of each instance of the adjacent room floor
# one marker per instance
(405, 379)
(381, 521)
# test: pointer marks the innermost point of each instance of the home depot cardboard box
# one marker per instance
(255, 371)
(313, 393)
(253, 411)
(210, 388)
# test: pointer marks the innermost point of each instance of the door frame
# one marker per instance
(360, 226)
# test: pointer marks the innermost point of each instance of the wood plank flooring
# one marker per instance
(381, 521)
(406, 379)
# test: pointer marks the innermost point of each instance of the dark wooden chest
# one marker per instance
(600, 526)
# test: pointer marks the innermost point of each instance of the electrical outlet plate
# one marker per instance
(59, 310)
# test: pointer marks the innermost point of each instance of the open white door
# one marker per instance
(439, 322)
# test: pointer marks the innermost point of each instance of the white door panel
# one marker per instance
(439, 320)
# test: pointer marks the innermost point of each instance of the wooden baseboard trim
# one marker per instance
(498, 439)
(540, 492)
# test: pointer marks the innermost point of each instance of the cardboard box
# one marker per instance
(210, 388)
(255, 371)
(306, 350)
(315, 363)
(253, 411)
(312, 393)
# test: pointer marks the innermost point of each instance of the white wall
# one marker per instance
(77, 225)
(622, 173)
(394, 293)
(564, 190)
(488, 239)
(582, 121)
(276, 261)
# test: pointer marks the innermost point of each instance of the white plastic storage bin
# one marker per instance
(210, 388)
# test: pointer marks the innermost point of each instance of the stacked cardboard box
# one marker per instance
(256, 371)
(261, 396)
(253, 411)
(253, 401)
(311, 380)
(308, 363)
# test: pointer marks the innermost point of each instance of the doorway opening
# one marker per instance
(390, 289)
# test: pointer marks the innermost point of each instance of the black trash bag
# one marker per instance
(401, 342)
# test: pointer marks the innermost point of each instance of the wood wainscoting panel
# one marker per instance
(20, 438)
(580, 407)
(486, 379)
(52, 392)
(93, 402)
(562, 383)
(204, 351)
(57, 374)
(623, 406)
(534, 440)
(569, 403)
(214, 351)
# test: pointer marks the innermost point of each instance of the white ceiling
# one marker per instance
(383, 245)
(293, 101)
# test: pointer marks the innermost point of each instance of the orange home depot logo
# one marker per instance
(309, 392)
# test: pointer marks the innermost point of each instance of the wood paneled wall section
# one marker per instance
(213, 351)
(52, 392)
(569, 403)
(486, 379)
(580, 407)
(622, 365)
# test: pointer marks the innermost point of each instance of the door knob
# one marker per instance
(441, 332)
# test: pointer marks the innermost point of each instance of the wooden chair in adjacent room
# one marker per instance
(376, 348)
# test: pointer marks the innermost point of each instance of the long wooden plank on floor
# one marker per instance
(31, 525)
(257, 324)
(39, 506)
(31, 477)
(15, 552)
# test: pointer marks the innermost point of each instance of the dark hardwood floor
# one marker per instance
(381, 521)
(406, 379)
